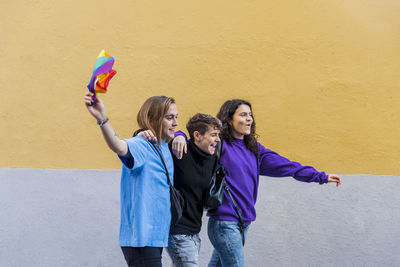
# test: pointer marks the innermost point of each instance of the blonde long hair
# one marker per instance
(152, 112)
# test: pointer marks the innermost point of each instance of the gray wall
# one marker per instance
(71, 218)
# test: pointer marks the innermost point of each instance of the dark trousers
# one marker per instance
(142, 256)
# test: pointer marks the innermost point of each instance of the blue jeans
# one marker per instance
(184, 250)
(226, 238)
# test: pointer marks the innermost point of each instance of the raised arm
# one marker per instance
(97, 110)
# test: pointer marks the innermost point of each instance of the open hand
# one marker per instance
(148, 135)
(332, 178)
(179, 146)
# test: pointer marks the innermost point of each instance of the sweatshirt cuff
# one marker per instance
(324, 178)
(178, 133)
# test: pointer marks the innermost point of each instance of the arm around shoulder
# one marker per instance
(179, 144)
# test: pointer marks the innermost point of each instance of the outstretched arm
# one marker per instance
(273, 164)
(97, 110)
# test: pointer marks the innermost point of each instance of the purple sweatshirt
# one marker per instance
(243, 170)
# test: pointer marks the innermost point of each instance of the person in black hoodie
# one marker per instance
(192, 175)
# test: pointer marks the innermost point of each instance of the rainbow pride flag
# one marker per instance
(102, 73)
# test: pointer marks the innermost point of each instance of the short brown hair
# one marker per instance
(200, 122)
(151, 114)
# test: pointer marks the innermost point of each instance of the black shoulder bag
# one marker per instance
(177, 200)
(215, 193)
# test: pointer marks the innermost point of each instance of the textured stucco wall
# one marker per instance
(323, 76)
(71, 218)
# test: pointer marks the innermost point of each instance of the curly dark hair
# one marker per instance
(225, 114)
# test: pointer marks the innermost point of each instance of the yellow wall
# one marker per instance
(323, 76)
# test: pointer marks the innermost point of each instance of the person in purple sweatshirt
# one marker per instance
(245, 160)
